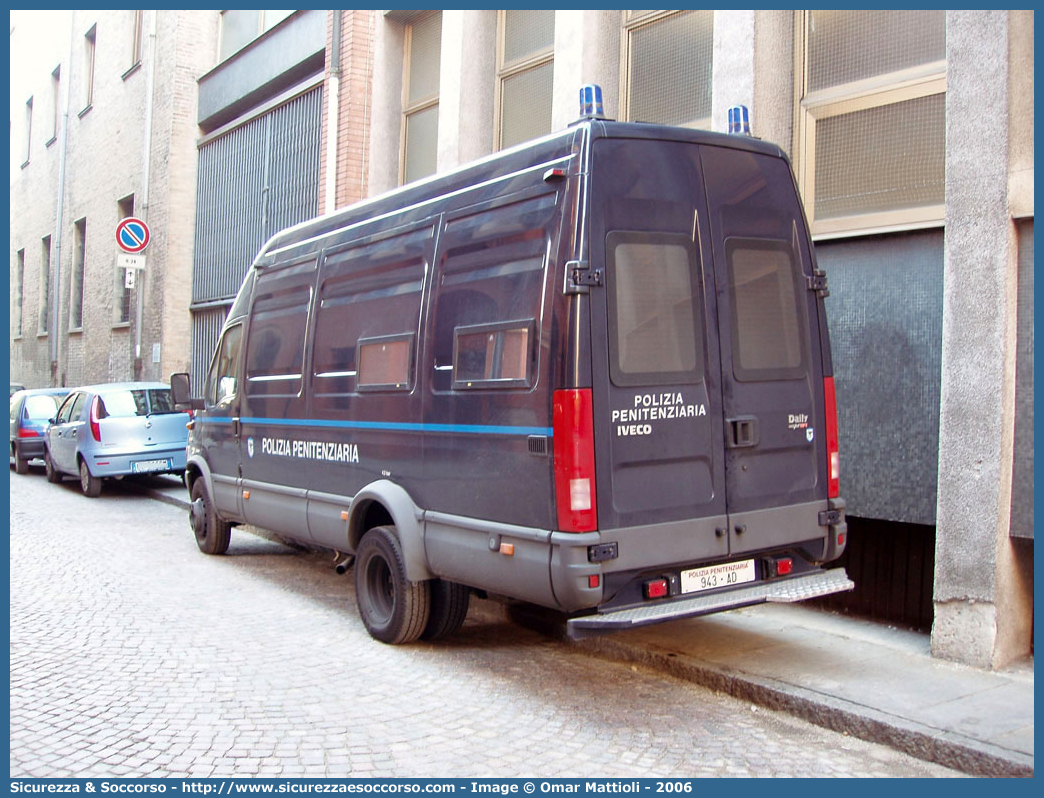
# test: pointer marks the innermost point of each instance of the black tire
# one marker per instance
(53, 474)
(393, 609)
(449, 608)
(21, 463)
(89, 484)
(212, 534)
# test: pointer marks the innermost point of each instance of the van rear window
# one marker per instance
(656, 328)
(766, 326)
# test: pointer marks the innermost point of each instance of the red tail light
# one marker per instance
(95, 426)
(573, 428)
(833, 453)
(23, 432)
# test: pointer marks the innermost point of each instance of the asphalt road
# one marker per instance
(132, 654)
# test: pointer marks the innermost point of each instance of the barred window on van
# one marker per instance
(488, 355)
(384, 363)
(656, 334)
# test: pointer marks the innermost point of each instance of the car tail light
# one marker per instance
(573, 431)
(25, 432)
(95, 425)
(833, 453)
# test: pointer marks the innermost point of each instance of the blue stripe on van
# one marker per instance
(472, 429)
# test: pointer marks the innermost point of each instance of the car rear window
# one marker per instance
(136, 402)
(41, 407)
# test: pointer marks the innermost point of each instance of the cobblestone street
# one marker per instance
(132, 654)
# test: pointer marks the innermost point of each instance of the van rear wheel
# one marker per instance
(212, 534)
(449, 608)
(393, 609)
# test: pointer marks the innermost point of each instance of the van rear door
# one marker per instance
(706, 403)
(656, 372)
(772, 370)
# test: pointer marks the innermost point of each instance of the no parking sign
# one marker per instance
(132, 234)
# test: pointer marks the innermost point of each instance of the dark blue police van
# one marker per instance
(590, 372)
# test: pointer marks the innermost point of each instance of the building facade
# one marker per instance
(107, 132)
(911, 136)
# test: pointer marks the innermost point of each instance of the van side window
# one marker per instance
(384, 363)
(656, 328)
(766, 327)
(488, 296)
(492, 354)
(368, 315)
(221, 381)
(275, 347)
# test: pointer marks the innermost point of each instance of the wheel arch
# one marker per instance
(383, 503)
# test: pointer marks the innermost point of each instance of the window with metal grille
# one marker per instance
(79, 259)
(16, 308)
(669, 57)
(89, 40)
(421, 97)
(872, 121)
(525, 75)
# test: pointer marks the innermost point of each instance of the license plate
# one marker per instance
(142, 466)
(712, 576)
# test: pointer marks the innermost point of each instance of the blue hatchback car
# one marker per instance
(30, 414)
(116, 430)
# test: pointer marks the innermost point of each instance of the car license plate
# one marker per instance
(712, 576)
(142, 466)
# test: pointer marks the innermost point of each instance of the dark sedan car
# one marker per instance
(30, 412)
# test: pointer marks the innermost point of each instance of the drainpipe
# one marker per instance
(333, 113)
(63, 127)
(150, 67)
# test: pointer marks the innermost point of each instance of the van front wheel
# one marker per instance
(393, 609)
(212, 534)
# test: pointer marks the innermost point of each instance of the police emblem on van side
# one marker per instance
(250, 447)
(810, 433)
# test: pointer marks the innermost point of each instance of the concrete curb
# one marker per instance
(946, 748)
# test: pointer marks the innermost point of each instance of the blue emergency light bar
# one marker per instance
(591, 102)
(739, 120)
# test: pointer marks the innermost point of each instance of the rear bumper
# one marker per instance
(30, 448)
(797, 588)
(114, 465)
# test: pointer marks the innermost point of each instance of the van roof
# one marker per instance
(538, 153)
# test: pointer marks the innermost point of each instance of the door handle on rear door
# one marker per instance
(741, 432)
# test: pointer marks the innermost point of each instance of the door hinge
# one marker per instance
(829, 517)
(817, 281)
(580, 277)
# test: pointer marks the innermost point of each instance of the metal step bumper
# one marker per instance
(782, 591)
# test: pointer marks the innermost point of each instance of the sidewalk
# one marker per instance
(857, 677)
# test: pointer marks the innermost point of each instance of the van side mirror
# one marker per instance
(181, 390)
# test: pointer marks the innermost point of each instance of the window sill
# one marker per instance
(25, 164)
(51, 141)
(41, 334)
(134, 68)
(76, 331)
(121, 325)
(85, 111)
